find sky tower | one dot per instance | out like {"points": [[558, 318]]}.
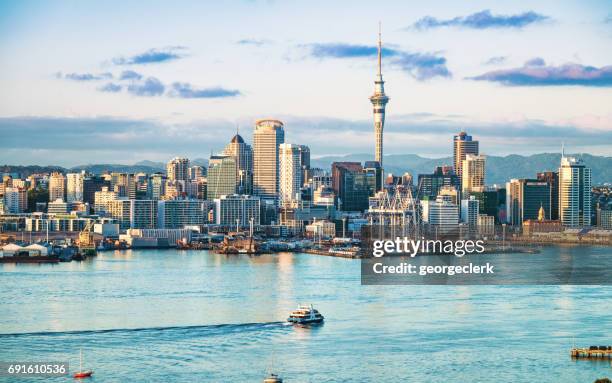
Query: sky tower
{"points": [[379, 100]]}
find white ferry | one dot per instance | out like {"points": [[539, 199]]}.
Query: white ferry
{"points": [[305, 315]]}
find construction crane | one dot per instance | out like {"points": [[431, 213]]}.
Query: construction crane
{"points": [[87, 244]]}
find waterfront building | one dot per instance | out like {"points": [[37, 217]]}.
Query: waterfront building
{"points": [[379, 101], [470, 211], [177, 169], [290, 164], [102, 198], [604, 218], [155, 238], [430, 184], [57, 186], [295, 215], [92, 184], [243, 155], [473, 173], [74, 186], [156, 186], [541, 225], [553, 180], [524, 198], [176, 214], [350, 185], [221, 179], [60, 223], [124, 184], [321, 230], [133, 213], [241, 209], [574, 193], [490, 199], [441, 216], [267, 137], [486, 224], [463, 144], [15, 200]]}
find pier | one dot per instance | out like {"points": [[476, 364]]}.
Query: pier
{"points": [[593, 352]]}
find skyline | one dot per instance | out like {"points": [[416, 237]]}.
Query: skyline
{"points": [[122, 94]]}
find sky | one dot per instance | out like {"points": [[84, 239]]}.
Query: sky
{"points": [[121, 82]]}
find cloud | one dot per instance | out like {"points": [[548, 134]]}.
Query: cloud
{"points": [[130, 75], [421, 66], [110, 87], [482, 20], [254, 42], [152, 56], [496, 60], [84, 76], [185, 90], [535, 72], [150, 87]]}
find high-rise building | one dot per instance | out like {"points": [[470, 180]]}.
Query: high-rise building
{"points": [[574, 193], [196, 171], [350, 184], [473, 173], [268, 136], [463, 145], [156, 186], [102, 198], [177, 169], [374, 172], [74, 186], [524, 198], [430, 184], [305, 161], [134, 213], [553, 180], [221, 176], [379, 101], [15, 200], [92, 184], [243, 155], [57, 186], [469, 212], [441, 216], [290, 164], [124, 184], [176, 214], [241, 209]]}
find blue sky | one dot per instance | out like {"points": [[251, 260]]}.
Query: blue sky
{"points": [[94, 82]]}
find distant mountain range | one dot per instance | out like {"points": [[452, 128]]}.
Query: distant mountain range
{"points": [[498, 169]]}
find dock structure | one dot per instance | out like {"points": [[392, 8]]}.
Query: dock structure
{"points": [[593, 352]]}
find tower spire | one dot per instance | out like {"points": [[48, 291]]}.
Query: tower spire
{"points": [[379, 100], [379, 48]]}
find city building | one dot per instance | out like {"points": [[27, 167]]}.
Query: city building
{"points": [[177, 169], [176, 214], [290, 164], [243, 155], [74, 186], [441, 216], [470, 211], [194, 172], [92, 184], [102, 198], [321, 230], [450, 194], [324, 196], [463, 144], [15, 200], [156, 186], [553, 180], [473, 173], [604, 218], [374, 174], [237, 209], [574, 193], [379, 101], [541, 225], [524, 198], [267, 137], [58, 207], [133, 213], [430, 184], [486, 224], [221, 179], [124, 184], [350, 184], [305, 161], [57, 186]]}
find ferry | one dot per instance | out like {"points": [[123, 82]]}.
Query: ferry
{"points": [[305, 315]]}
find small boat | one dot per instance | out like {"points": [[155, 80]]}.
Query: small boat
{"points": [[273, 378], [305, 315], [82, 374]]}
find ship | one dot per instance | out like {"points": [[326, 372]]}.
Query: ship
{"points": [[305, 314]]}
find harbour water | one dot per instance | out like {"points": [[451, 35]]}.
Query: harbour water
{"points": [[175, 316]]}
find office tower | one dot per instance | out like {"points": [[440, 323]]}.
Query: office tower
{"points": [[268, 136], [379, 101], [177, 169], [462, 146], [175, 214], [221, 176], [101, 199], [156, 186], [430, 184], [57, 186], [553, 180], [243, 155], [469, 212], [194, 172], [441, 216], [58, 207], [290, 172], [604, 218], [374, 172], [305, 161], [473, 173], [241, 209], [524, 198], [574, 193], [133, 213], [350, 185], [124, 184], [92, 184], [449, 193], [15, 200], [74, 187], [489, 200]]}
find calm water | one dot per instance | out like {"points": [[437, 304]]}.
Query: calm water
{"points": [[175, 316]]}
